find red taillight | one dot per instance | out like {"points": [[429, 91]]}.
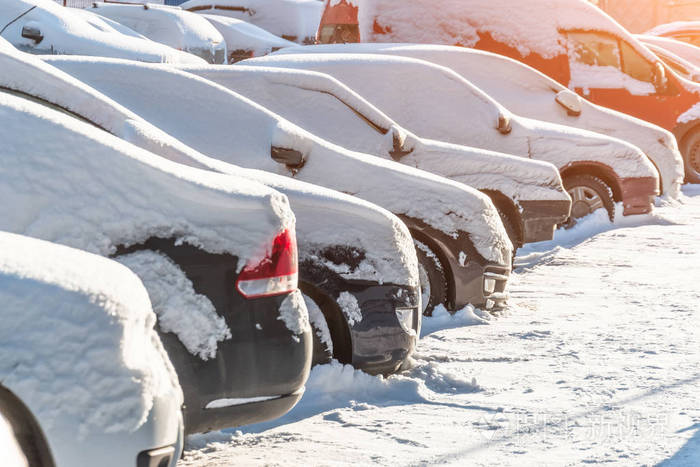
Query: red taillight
{"points": [[276, 273]]}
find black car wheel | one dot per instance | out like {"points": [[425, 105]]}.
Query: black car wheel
{"points": [[588, 194], [432, 279]]}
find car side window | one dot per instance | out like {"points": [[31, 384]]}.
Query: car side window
{"points": [[594, 49], [635, 65]]}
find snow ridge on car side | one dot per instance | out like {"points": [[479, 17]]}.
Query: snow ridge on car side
{"points": [[97, 311]]}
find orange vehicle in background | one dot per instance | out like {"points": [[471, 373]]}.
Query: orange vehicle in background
{"points": [[339, 23], [572, 41]]}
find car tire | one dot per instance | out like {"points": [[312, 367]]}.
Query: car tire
{"points": [[588, 194], [691, 157], [432, 279]]}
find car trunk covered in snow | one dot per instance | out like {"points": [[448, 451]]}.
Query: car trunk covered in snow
{"points": [[451, 109], [98, 311], [45, 27], [527, 92], [329, 109]]}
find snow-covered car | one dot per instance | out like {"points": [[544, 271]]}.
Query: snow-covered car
{"points": [[294, 20], [91, 384], [597, 170], [45, 27], [169, 25], [350, 250], [685, 31], [527, 92], [681, 66], [464, 246], [528, 194], [245, 40], [688, 52], [204, 244]]}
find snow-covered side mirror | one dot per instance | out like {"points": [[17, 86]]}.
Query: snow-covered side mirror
{"points": [[32, 31], [399, 145], [290, 145], [570, 101]]}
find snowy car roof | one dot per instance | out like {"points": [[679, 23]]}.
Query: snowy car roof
{"points": [[292, 18], [241, 35], [98, 311], [529, 26], [234, 129], [165, 24], [68, 31], [113, 193]]}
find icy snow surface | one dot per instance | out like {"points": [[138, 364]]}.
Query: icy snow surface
{"points": [[182, 311], [596, 360], [293, 313], [65, 313], [350, 308]]}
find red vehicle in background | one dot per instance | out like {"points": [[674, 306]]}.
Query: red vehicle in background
{"points": [[572, 41]]}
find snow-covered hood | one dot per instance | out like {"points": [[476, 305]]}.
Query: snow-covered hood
{"points": [[97, 311], [66, 31], [233, 129], [517, 178], [452, 109], [240, 35], [112, 193], [168, 25], [684, 50], [674, 27], [292, 18]]}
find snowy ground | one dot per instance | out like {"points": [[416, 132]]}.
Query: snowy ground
{"points": [[597, 360]]}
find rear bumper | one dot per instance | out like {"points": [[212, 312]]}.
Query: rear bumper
{"points": [[541, 217], [638, 194], [380, 344]]}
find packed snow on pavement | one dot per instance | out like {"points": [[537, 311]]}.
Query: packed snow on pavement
{"points": [[596, 359]]}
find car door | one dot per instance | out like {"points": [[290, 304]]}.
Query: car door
{"points": [[609, 71]]}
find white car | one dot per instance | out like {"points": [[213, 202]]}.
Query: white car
{"points": [[347, 247], [169, 25], [45, 27], [435, 102], [527, 92], [201, 242], [84, 378], [458, 222], [688, 52], [245, 40], [528, 194], [294, 20]]}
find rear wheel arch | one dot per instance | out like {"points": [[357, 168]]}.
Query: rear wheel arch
{"points": [[506, 206], [26, 428], [335, 319], [598, 170], [442, 257]]}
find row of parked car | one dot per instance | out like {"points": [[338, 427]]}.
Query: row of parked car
{"points": [[309, 205]]}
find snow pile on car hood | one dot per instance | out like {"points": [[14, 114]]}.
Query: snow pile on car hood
{"points": [[460, 113], [279, 89], [292, 18], [111, 193], [531, 26], [168, 25], [240, 35], [68, 32], [684, 50], [674, 26], [78, 342], [234, 129]]}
